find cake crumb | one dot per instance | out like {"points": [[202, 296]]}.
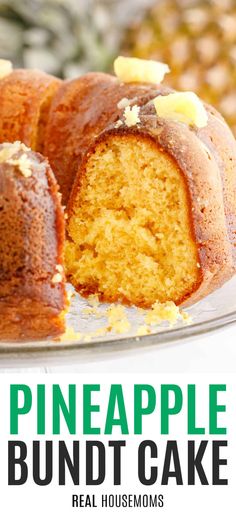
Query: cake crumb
{"points": [[101, 332], [143, 330], [115, 313], [162, 312], [118, 322], [122, 326], [131, 115], [57, 278], [167, 312], [70, 334], [186, 318], [23, 163], [117, 319]]}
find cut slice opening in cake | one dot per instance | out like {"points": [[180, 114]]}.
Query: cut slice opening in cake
{"points": [[130, 233]]}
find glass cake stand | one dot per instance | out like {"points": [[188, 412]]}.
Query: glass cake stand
{"points": [[213, 312]]}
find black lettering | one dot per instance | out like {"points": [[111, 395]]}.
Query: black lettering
{"points": [[195, 463], [217, 462], [117, 460], [72, 465], [75, 500], [20, 461], [48, 463], [147, 481], [90, 446], [172, 453]]}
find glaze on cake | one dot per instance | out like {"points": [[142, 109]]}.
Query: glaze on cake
{"points": [[32, 280], [25, 98], [152, 213]]}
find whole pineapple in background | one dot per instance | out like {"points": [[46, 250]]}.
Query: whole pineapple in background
{"points": [[197, 38], [62, 37], [65, 37]]}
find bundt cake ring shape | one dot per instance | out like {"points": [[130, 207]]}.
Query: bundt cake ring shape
{"points": [[148, 176]]}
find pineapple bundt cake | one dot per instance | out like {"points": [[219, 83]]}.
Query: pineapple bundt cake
{"points": [[148, 176], [152, 212], [25, 98], [32, 283]]}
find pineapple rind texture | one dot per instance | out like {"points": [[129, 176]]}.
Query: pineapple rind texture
{"points": [[197, 38]]}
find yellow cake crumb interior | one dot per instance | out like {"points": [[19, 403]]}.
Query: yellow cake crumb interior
{"points": [[129, 234]]}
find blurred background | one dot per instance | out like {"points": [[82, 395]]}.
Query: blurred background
{"points": [[197, 38]]}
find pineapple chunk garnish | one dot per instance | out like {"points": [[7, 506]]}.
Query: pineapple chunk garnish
{"points": [[132, 69], [131, 115], [183, 107], [5, 68]]}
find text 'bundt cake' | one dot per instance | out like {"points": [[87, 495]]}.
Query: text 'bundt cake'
{"points": [[32, 282]]}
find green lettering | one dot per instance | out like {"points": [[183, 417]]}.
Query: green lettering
{"points": [[89, 408], [192, 428], [139, 410], [59, 406], [166, 410], [41, 409], [116, 399], [214, 409], [15, 410]]}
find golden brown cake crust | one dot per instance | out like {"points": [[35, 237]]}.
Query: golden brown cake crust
{"points": [[207, 159], [31, 248], [81, 109], [24, 96]]}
